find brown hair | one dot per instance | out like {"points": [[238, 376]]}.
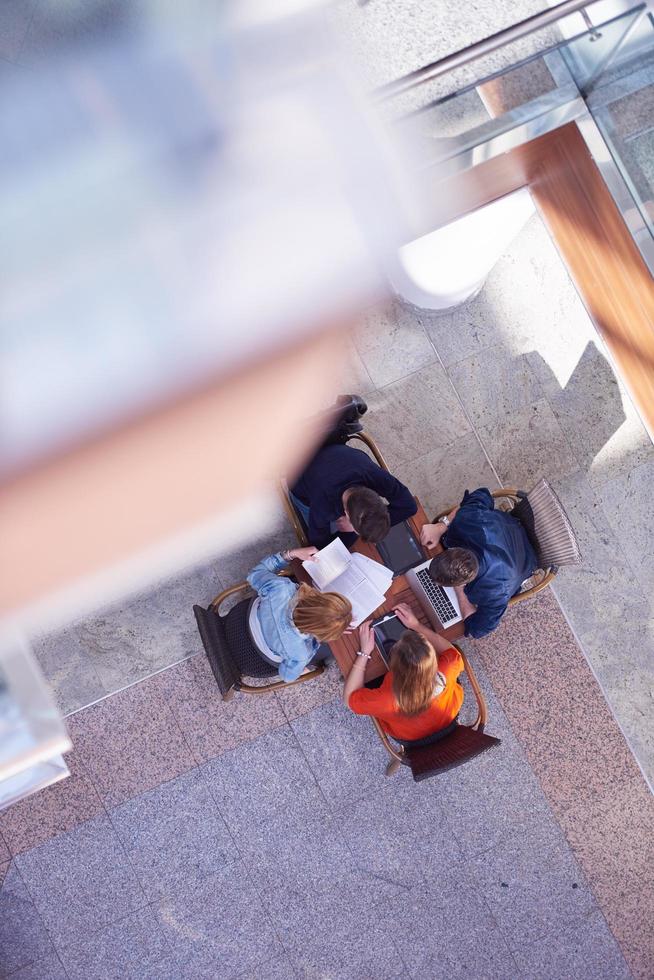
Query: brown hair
{"points": [[455, 566], [414, 667], [325, 615], [368, 514]]}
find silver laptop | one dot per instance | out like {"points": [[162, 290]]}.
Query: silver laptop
{"points": [[439, 602]]}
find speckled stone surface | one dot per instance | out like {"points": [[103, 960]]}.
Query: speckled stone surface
{"points": [[402, 416], [52, 811], [131, 742], [132, 948], [392, 343], [81, 881], [302, 698], [612, 836], [210, 725], [23, 935]]}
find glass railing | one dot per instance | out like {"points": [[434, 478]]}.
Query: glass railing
{"points": [[579, 68]]}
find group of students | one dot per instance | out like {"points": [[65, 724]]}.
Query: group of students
{"points": [[486, 557]]}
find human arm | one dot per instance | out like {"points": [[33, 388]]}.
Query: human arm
{"points": [[484, 620], [408, 618], [467, 608], [356, 678], [264, 577], [431, 534], [401, 504]]}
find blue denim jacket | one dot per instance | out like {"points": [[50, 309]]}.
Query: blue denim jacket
{"points": [[275, 616]]}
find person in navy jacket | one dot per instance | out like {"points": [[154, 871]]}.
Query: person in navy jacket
{"points": [[487, 557], [340, 493]]}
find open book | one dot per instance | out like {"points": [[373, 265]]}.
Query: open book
{"points": [[361, 580]]}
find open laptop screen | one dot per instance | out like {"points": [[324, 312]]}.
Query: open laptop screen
{"points": [[400, 549]]}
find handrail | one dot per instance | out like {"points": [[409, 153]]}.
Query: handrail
{"points": [[480, 48]]}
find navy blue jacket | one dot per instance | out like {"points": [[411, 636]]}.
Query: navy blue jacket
{"points": [[332, 471], [502, 548]]}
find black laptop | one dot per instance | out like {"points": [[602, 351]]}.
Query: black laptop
{"points": [[400, 549]]}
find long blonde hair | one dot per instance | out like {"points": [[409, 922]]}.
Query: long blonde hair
{"points": [[325, 615], [416, 678]]}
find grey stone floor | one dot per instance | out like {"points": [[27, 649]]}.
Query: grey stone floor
{"points": [[293, 856], [509, 388]]}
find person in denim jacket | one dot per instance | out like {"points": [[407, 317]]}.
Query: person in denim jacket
{"points": [[295, 619]]}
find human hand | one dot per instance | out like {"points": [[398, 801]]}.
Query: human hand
{"points": [[343, 524], [430, 534], [305, 554], [366, 637], [406, 616]]}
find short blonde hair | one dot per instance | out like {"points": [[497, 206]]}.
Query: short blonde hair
{"points": [[325, 615]]}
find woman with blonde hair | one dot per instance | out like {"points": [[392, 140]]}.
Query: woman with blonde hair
{"points": [[291, 621], [419, 695]]}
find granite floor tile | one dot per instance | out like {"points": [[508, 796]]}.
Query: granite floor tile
{"points": [[528, 444], [444, 929], [68, 669], [368, 955], [585, 948], [303, 698], [81, 881], [49, 968], [609, 837], [279, 968], [260, 779], [597, 418], [627, 504], [532, 885], [130, 742], [415, 415], [353, 377], [136, 638], [210, 725], [392, 343], [23, 936], [5, 853], [340, 937], [221, 930], [344, 752], [401, 833], [554, 682], [53, 810], [494, 385], [439, 478], [133, 948], [174, 836]]}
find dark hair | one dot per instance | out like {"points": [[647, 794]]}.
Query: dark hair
{"points": [[413, 668], [368, 514], [455, 566]]}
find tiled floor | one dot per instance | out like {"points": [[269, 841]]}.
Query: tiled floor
{"points": [[282, 851]]}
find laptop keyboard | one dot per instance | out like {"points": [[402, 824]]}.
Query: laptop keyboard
{"points": [[437, 596]]}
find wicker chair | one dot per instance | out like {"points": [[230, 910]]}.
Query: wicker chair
{"points": [[448, 748], [548, 528], [296, 519], [231, 651]]}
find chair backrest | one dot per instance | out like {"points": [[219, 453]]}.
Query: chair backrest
{"points": [[543, 517], [214, 640], [462, 744]]}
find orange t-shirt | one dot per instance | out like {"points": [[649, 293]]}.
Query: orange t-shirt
{"points": [[381, 704]]}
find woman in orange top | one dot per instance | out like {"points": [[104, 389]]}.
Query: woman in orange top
{"points": [[419, 695]]}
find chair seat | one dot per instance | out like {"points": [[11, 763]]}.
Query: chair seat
{"points": [[242, 647], [464, 743]]}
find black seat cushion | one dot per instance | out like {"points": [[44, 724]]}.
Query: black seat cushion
{"points": [[242, 646], [462, 744]]}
